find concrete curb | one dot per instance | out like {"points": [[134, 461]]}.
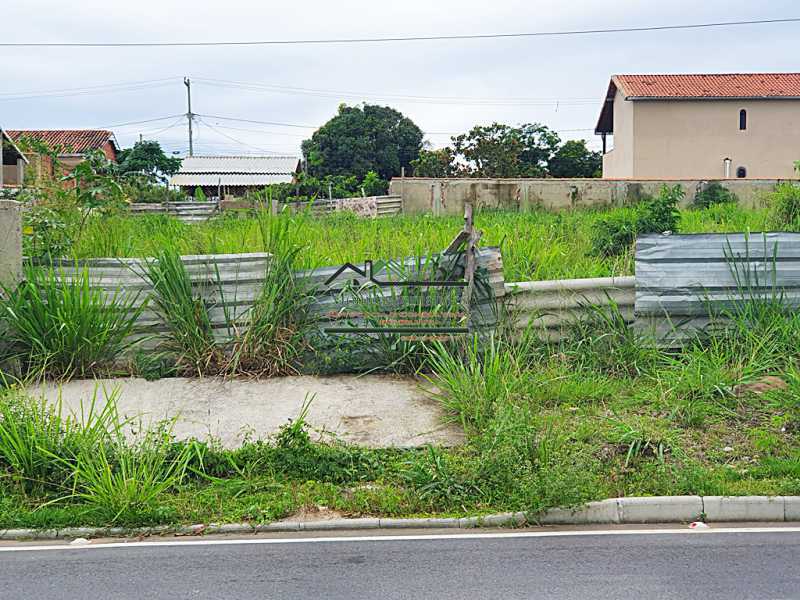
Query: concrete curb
{"points": [[635, 510]]}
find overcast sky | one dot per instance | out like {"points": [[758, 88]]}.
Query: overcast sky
{"points": [[446, 87]]}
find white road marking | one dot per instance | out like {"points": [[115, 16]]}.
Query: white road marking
{"points": [[399, 538]]}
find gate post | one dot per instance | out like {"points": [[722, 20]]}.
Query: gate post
{"points": [[10, 242]]}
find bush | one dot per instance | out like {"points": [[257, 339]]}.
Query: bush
{"points": [[615, 234], [784, 206], [62, 326], [142, 189], [50, 232], [373, 185], [713, 194]]}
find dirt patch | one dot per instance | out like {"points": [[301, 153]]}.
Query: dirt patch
{"points": [[313, 513]]}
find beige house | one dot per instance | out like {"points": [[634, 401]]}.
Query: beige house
{"points": [[744, 125]]}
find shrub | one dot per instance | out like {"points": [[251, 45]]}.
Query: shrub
{"points": [[50, 231], [373, 185], [62, 325], [784, 206], [713, 194], [614, 234], [199, 194]]}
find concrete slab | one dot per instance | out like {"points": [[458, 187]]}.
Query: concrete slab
{"points": [[372, 410]]}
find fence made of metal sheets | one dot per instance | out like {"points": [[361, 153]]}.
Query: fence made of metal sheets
{"points": [[188, 212], [683, 282], [552, 307], [229, 284]]}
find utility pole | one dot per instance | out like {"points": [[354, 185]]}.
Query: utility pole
{"points": [[140, 138], [189, 114]]}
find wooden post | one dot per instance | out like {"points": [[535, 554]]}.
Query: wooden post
{"points": [[469, 256], [10, 242]]}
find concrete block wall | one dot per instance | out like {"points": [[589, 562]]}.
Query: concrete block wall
{"points": [[10, 241], [447, 196]]}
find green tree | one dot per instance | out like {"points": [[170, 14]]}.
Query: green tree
{"points": [[499, 150], [434, 163], [574, 159], [362, 139], [147, 158]]}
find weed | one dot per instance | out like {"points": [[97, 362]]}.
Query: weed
{"points": [[712, 194], [63, 325]]}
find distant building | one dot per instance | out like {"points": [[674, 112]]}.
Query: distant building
{"points": [[72, 145], [744, 125], [12, 162], [234, 175]]}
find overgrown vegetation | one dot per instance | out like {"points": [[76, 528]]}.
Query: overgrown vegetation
{"points": [[536, 245], [615, 234], [61, 324], [713, 193]]}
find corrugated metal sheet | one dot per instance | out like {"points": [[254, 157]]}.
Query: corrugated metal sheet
{"points": [[384, 206], [236, 170], [228, 179], [682, 279], [188, 212], [229, 284], [552, 306]]}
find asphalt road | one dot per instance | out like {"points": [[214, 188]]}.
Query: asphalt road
{"points": [[696, 565]]}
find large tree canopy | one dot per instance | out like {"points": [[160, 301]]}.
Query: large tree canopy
{"points": [[574, 159], [499, 150], [147, 158], [362, 139]]}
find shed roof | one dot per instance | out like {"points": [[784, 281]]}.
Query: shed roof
{"points": [[74, 140], [236, 170], [9, 145], [697, 86]]}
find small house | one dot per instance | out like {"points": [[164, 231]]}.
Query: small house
{"points": [[13, 161], [222, 176], [701, 126]]}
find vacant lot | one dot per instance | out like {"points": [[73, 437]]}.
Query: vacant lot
{"points": [[536, 245]]}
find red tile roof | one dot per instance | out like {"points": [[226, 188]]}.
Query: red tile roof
{"points": [[73, 140], [725, 85]]}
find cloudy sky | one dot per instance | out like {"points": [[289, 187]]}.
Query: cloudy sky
{"points": [[272, 97]]}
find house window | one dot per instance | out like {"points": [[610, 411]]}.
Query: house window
{"points": [[741, 172], [742, 120]]}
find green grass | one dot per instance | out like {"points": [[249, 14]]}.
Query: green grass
{"points": [[536, 245]]}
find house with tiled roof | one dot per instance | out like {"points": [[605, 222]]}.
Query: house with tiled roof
{"points": [[701, 126], [70, 146]]}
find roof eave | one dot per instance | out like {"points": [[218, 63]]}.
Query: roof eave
{"points": [[712, 98]]}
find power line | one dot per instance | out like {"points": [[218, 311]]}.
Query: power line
{"points": [[89, 91], [463, 100], [275, 123], [416, 38], [240, 142], [139, 122]]}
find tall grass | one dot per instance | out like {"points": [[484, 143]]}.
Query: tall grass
{"points": [[273, 334], [62, 325], [190, 332], [33, 432], [266, 340], [536, 245]]}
